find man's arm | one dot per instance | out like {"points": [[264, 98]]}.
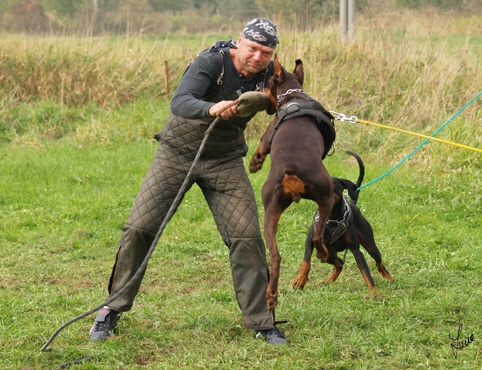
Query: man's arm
{"points": [[197, 80]]}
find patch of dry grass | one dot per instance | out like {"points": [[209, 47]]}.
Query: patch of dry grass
{"points": [[407, 69]]}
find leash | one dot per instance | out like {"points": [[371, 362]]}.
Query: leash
{"points": [[353, 119], [142, 267]]}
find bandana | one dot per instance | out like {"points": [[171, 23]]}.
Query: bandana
{"points": [[261, 31]]}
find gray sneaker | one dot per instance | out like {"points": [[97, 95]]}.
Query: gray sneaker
{"points": [[272, 336], [104, 324]]}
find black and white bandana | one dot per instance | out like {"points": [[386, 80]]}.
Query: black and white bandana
{"points": [[261, 31]]}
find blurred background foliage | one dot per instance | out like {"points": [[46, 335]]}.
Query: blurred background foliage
{"points": [[91, 17]]}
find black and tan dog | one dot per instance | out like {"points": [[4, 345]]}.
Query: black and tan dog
{"points": [[346, 228], [297, 139]]}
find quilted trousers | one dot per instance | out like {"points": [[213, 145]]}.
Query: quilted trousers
{"points": [[230, 197]]}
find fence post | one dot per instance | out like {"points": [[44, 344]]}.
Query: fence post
{"points": [[351, 21], [343, 20]]}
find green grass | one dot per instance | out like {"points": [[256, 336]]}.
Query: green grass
{"points": [[63, 206], [73, 155]]}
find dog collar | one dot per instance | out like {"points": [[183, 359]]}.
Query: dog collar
{"points": [[291, 91]]}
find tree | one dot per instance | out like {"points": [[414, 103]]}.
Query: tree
{"points": [[64, 8], [170, 5], [303, 15]]}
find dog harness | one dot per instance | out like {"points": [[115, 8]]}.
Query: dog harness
{"points": [[336, 228], [300, 107]]}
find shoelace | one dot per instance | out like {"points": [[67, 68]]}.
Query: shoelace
{"points": [[277, 332], [99, 325]]}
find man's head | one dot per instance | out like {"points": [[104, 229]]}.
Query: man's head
{"points": [[261, 31], [255, 46]]}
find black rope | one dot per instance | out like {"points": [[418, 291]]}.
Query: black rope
{"points": [[143, 266]]}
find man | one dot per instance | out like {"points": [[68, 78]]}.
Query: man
{"points": [[210, 85]]}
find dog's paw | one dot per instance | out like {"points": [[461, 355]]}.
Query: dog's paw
{"points": [[272, 302], [384, 271], [256, 163], [322, 255], [299, 282], [374, 295], [254, 167]]}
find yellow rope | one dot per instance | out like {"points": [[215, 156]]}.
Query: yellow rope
{"points": [[419, 135]]}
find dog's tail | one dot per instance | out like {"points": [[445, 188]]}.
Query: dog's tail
{"points": [[361, 174]]}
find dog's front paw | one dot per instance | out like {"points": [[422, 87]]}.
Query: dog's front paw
{"points": [[322, 253], [256, 164], [253, 167], [302, 277], [257, 160], [272, 301], [298, 284], [300, 281]]}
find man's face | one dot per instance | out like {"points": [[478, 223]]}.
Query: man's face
{"points": [[251, 56]]}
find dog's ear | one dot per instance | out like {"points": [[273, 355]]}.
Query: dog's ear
{"points": [[273, 106], [273, 83], [271, 88], [299, 71], [279, 72], [352, 189]]}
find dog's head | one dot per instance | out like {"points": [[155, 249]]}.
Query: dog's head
{"points": [[339, 185], [282, 81]]}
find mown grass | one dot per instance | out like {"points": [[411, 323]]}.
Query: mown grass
{"points": [[70, 170]]}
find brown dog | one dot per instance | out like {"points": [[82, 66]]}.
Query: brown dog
{"points": [[346, 228], [294, 139]]}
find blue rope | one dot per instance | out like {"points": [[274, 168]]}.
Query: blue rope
{"points": [[421, 144]]}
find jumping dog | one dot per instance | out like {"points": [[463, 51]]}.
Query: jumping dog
{"points": [[297, 140]]}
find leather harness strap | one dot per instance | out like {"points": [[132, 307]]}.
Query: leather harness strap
{"points": [[336, 228], [299, 107]]}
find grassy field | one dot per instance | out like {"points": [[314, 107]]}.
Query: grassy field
{"points": [[73, 155]]}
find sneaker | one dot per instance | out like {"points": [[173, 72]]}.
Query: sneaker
{"points": [[272, 336], [104, 324]]}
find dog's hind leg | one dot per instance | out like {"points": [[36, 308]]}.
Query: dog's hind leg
{"points": [[367, 240], [321, 250], [271, 220], [376, 255], [363, 267], [325, 200], [302, 277]]}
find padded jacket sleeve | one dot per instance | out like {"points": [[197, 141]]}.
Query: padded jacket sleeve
{"points": [[199, 77]]}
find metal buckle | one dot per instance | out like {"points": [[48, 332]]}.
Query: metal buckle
{"points": [[342, 117]]}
